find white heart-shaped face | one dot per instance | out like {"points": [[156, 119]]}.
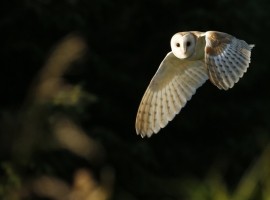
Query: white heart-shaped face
{"points": [[183, 45]]}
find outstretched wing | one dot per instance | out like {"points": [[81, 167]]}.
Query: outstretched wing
{"points": [[227, 58], [171, 87]]}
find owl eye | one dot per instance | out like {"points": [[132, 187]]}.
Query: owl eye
{"points": [[188, 43], [178, 44]]}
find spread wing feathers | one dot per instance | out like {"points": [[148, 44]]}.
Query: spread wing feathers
{"points": [[171, 87], [227, 58]]}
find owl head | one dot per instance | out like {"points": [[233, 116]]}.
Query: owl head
{"points": [[183, 44]]}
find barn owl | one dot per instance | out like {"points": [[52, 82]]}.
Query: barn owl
{"points": [[194, 58]]}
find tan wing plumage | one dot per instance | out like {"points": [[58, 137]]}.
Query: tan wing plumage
{"points": [[171, 87], [227, 58]]}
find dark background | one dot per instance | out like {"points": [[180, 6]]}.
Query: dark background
{"points": [[224, 131]]}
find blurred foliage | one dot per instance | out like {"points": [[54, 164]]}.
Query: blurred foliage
{"points": [[253, 185], [72, 76]]}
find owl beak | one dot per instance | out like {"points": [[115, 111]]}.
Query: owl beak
{"points": [[184, 48]]}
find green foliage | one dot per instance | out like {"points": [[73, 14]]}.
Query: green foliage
{"points": [[10, 181], [253, 185]]}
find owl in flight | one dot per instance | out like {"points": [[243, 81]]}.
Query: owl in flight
{"points": [[195, 57]]}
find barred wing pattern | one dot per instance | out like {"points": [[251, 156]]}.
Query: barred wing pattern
{"points": [[171, 87], [227, 58]]}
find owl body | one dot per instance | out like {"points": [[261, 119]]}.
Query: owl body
{"points": [[200, 44], [195, 58]]}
